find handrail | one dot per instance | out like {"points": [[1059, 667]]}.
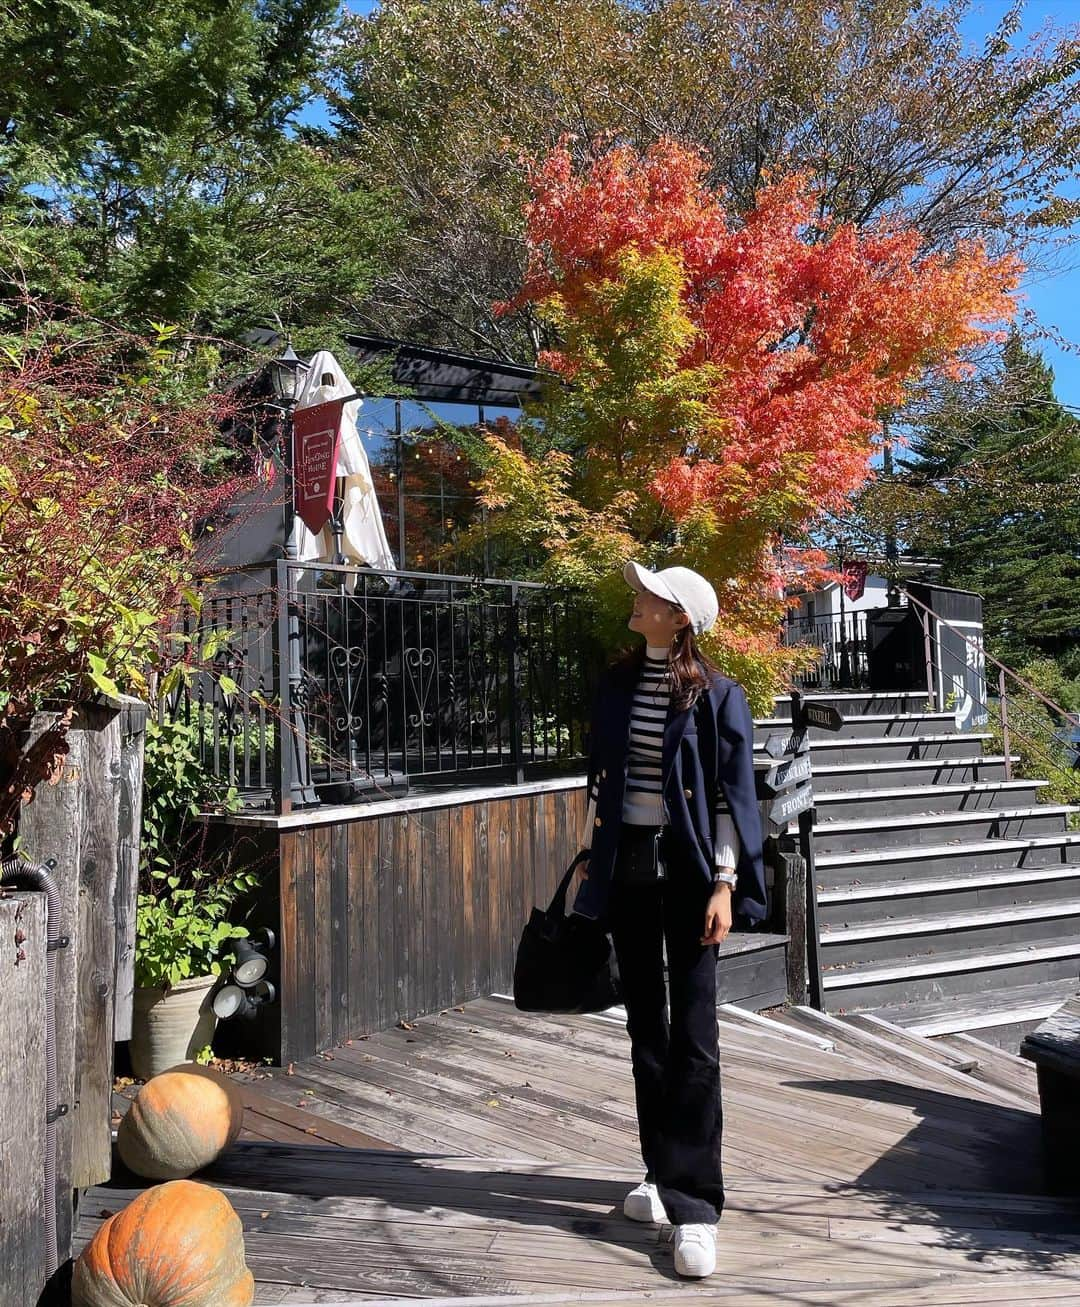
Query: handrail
{"points": [[1056, 707], [352, 569], [1007, 716]]}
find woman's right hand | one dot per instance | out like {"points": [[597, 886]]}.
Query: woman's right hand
{"points": [[581, 874]]}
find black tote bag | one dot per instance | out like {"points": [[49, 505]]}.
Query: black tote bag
{"points": [[565, 964]]}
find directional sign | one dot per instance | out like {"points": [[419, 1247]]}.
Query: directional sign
{"points": [[823, 715], [776, 745], [791, 803], [786, 774]]}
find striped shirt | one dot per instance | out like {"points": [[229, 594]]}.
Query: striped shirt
{"points": [[643, 803]]}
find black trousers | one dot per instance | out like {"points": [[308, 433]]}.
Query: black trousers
{"points": [[675, 1059]]}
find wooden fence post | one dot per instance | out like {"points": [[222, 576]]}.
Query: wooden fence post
{"points": [[22, 1098], [77, 822], [789, 896], [51, 827], [132, 741]]}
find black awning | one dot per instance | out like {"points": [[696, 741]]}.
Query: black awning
{"points": [[439, 375]]}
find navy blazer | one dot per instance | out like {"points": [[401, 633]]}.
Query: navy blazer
{"points": [[706, 746]]}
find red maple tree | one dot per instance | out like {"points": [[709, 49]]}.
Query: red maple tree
{"points": [[782, 338]]}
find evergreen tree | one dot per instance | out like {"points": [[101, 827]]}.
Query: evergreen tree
{"points": [[150, 171], [990, 486]]}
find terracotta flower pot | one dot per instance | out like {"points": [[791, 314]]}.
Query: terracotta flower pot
{"points": [[171, 1026]]}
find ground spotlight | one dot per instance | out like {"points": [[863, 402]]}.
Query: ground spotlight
{"points": [[252, 957], [235, 1001]]}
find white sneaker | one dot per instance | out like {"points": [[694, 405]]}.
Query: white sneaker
{"points": [[643, 1204], [695, 1250]]}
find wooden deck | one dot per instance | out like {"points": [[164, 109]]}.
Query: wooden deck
{"points": [[858, 1171]]}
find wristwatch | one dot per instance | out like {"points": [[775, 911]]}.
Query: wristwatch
{"points": [[725, 878]]}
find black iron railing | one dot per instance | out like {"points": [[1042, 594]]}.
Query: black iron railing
{"points": [[842, 662], [313, 683]]}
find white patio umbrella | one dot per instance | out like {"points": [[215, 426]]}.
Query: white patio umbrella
{"points": [[363, 538]]}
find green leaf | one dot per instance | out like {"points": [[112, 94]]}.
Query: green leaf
{"points": [[99, 676]]}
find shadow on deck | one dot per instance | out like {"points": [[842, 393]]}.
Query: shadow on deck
{"points": [[508, 1142]]}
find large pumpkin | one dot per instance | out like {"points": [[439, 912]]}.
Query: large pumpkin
{"points": [[177, 1245], [180, 1121]]}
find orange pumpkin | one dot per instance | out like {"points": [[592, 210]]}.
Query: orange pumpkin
{"points": [[180, 1121], [178, 1243]]}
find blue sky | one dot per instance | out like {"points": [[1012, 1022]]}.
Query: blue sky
{"points": [[1054, 294]]}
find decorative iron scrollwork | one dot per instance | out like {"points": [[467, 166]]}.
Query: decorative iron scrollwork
{"points": [[420, 666]]}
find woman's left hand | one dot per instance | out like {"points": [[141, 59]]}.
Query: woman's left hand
{"points": [[717, 916]]}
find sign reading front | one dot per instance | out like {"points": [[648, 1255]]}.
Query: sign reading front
{"points": [[790, 803], [316, 437]]}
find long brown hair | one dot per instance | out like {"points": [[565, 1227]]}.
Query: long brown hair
{"points": [[689, 667]]}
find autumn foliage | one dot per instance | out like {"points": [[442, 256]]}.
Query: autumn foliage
{"points": [[726, 376], [105, 473]]}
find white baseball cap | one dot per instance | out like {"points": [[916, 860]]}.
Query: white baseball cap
{"points": [[679, 585]]}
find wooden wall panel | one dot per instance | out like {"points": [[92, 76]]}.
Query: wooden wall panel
{"points": [[388, 966], [445, 929], [386, 918], [340, 948], [322, 876]]}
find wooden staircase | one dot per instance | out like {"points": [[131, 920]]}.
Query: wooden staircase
{"points": [[948, 896]]}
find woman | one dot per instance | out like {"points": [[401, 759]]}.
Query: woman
{"points": [[674, 836]]}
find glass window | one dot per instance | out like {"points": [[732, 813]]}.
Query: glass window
{"points": [[422, 478]]}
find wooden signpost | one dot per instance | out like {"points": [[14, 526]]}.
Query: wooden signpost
{"points": [[790, 786]]}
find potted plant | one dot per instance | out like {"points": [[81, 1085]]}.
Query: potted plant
{"points": [[190, 895], [180, 951]]}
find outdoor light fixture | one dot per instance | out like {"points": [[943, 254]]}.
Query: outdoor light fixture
{"points": [[252, 954], [286, 372], [251, 963], [235, 1001]]}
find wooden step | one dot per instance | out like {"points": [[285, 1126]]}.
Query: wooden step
{"points": [[881, 1050], [878, 985], [767, 1028], [859, 904], [909, 830], [897, 864], [893, 801], [872, 724], [968, 769], [994, 1065], [859, 703], [904, 1038], [986, 1009], [883, 748], [1010, 925]]}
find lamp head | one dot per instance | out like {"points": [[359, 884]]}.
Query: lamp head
{"points": [[233, 1001], [286, 372], [251, 963]]}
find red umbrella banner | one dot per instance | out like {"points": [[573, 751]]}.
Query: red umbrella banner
{"points": [[316, 438]]}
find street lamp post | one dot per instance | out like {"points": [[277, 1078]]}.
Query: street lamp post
{"points": [[892, 593], [286, 375]]}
